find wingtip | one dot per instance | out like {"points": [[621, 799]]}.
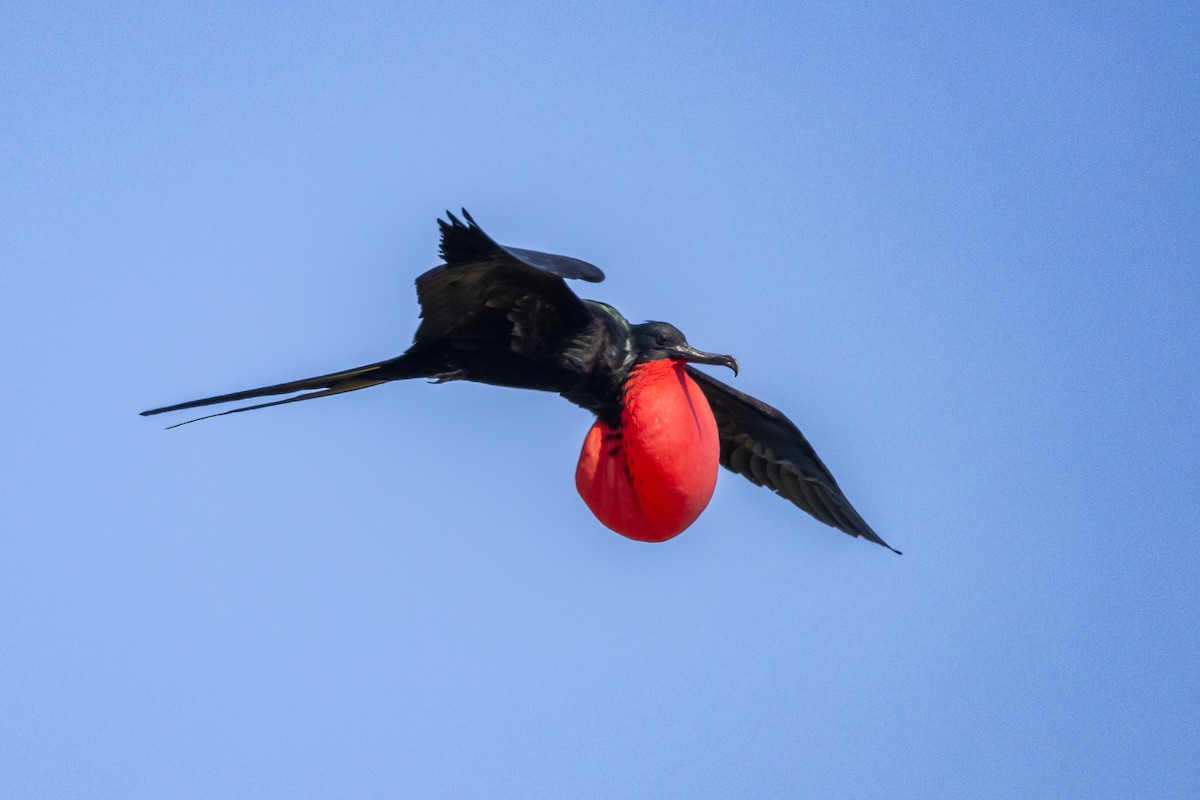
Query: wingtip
{"points": [[455, 222], [873, 537]]}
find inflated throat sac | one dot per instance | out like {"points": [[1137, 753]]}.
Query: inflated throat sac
{"points": [[652, 475]]}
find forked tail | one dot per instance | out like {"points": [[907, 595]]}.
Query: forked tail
{"points": [[349, 380]]}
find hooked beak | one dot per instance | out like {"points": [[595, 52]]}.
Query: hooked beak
{"points": [[689, 353]]}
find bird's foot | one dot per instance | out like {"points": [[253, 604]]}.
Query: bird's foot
{"points": [[446, 377]]}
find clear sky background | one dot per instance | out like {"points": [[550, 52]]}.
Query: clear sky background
{"points": [[959, 246]]}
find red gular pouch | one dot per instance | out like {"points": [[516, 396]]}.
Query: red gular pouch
{"points": [[651, 476]]}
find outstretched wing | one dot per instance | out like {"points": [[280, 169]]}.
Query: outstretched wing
{"points": [[506, 303], [761, 444]]}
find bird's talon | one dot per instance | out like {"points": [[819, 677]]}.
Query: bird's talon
{"points": [[446, 377]]}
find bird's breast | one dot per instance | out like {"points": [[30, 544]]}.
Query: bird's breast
{"points": [[652, 475]]}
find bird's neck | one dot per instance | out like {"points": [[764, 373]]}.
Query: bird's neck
{"points": [[604, 355], [617, 337]]}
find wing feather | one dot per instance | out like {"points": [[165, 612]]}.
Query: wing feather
{"points": [[466, 243], [761, 444], [488, 298]]}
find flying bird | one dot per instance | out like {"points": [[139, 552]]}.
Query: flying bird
{"points": [[505, 316]]}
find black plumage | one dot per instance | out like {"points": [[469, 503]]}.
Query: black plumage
{"points": [[505, 316]]}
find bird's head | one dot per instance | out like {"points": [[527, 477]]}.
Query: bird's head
{"points": [[653, 341]]}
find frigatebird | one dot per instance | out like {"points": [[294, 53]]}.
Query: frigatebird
{"points": [[505, 316]]}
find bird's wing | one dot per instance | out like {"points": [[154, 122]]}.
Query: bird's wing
{"points": [[501, 304], [466, 243], [761, 444], [488, 296]]}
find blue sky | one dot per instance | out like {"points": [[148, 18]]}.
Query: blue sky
{"points": [[958, 246]]}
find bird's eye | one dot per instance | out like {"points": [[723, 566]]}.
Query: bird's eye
{"points": [[662, 340]]}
